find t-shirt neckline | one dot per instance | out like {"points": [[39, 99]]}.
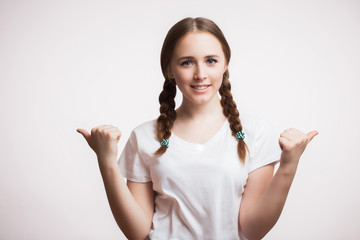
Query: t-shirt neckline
{"points": [[198, 146]]}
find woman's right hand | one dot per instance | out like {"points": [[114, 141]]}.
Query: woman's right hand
{"points": [[103, 140]]}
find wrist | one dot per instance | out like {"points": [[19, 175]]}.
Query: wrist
{"points": [[288, 168], [107, 161]]}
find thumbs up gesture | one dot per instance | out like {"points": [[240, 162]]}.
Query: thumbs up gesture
{"points": [[293, 143], [103, 140]]}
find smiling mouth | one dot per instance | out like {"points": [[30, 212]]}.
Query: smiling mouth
{"points": [[200, 87]]}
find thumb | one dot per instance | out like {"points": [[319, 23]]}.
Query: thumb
{"points": [[311, 135], [85, 134]]}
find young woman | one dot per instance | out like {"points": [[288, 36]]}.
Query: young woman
{"points": [[204, 170]]}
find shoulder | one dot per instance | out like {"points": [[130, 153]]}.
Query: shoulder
{"points": [[144, 135], [257, 128], [147, 128], [261, 138], [253, 121]]}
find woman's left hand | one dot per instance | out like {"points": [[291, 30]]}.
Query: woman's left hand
{"points": [[293, 143]]}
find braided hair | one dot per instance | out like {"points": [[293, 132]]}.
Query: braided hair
{"points": [[232, 114], [167, 116], [167, 113]]}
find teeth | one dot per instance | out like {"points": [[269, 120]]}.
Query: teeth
{"points": [[199, 87]]}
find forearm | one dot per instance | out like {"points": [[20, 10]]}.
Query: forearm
{"points": [[262, 216], [127, 212]]}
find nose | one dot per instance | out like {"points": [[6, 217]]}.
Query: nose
{"points": [[200, 73]]}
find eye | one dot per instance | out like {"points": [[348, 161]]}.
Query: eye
{"points": [[186, 63], [212, 61]]}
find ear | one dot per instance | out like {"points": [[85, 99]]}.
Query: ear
{"points": [[169, 73], [225, 67]]}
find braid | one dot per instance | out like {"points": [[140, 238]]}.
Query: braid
{"points": [[231, 112], [167, 116]]}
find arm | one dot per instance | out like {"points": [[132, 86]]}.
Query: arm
{"points": [[263, 200], [133, 205], [264, 196]]}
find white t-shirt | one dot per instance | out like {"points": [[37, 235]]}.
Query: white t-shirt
{"points": [[198, 187]]}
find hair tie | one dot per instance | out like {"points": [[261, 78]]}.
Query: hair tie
{"points": [[165, 142], [240, 134]]}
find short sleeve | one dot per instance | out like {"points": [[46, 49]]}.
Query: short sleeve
{"points": [[266, 148], [131, 164]]}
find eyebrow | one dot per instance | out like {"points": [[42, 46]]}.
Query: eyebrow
{"points": [[190, 57]]}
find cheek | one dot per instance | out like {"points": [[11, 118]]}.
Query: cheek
{"points": [[184, 75], [217, 75]]}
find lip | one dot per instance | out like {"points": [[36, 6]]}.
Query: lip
{"points": [[200, 85], [200, 90]]}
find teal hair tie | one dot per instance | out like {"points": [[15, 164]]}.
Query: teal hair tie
{"points": [[240, 134], [165, 142]]}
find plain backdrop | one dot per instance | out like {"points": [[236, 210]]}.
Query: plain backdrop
{"points": [[70, 64]]}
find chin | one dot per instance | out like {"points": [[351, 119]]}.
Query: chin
{"points": [[200, 101]]}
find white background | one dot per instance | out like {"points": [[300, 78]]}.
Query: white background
{"points": [[71, 64]]}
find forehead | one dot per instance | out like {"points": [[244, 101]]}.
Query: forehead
{"points": [[198, 44]]}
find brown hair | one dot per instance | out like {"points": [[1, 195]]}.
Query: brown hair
{"points": [[167, 103]]}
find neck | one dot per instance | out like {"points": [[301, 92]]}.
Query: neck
{"points": [[207, 111]]}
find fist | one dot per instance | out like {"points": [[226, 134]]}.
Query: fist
{"points": [[293, 143], [103, 140]]}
